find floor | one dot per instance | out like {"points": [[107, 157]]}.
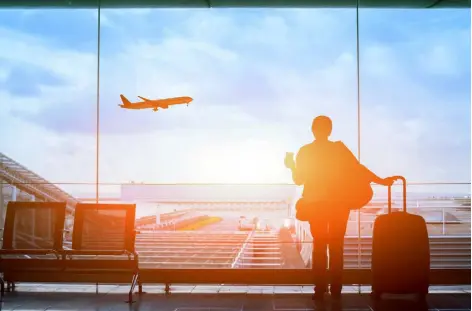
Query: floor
{"points": [[66, 297]]}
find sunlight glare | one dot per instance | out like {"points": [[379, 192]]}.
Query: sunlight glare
{"points": [[241, 162]]}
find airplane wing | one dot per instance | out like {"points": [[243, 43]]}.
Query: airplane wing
{"points": [[145, 99]]}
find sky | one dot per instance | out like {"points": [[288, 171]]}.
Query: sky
{"points": [[258, 77]]}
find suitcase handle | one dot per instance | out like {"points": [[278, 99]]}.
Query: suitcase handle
{"points": [[390, 194]]}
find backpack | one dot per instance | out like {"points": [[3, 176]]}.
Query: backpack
{"points": [[344, 178]]}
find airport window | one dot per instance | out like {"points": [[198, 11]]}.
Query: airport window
{"points": [[188, 113]]}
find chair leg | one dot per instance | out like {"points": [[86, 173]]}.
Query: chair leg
{"points": [[133, 285], [140, 285]]}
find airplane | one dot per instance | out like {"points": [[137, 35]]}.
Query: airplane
{"points": [[155, 104]]}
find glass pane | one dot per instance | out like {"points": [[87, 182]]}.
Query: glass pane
{"points": [[48, 91], [415, 118], [416, 94], [257, 78]]}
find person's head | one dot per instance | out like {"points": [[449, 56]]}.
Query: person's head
{"points": [[322, 127]]}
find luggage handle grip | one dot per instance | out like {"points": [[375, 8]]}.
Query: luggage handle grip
{"points": [[403, 190]]}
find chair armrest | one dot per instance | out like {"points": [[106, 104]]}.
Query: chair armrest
{"points": [[95, 252]]}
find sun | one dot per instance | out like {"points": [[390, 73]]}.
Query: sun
{"points": [[241, 162]]}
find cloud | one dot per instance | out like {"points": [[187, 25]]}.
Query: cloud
{"points": [[58, 158], [255, 74], [205, 69], [32, 80]]}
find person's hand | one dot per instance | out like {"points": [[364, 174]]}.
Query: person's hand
{"points": [[388, 181], [289, 161]]}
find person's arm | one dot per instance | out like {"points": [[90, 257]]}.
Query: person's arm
{"points": [[349, 156], [299, 169], [372, 177]]}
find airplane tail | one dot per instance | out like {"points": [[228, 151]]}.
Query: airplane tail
{"points": [[125, 101]]}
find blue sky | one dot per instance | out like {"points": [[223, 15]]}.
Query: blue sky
{"points": [[258, 78]]}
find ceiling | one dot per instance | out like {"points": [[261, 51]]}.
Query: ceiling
{"points": [[235, 3]]}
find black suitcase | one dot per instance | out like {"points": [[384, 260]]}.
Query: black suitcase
{"points": [[400, 252]]}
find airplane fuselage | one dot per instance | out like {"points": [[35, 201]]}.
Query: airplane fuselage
{"points": [[158, 103]]}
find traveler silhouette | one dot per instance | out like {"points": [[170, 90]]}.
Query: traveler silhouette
{"points": [[327, 170]]}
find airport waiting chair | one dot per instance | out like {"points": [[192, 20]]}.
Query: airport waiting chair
{"points": [[32, 242], [103, 246]]}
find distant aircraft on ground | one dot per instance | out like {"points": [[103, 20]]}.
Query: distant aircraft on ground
{"points": [[155, 104]]}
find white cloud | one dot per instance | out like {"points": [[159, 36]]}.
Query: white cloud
{"points": [[54, 156], [441, 59]]}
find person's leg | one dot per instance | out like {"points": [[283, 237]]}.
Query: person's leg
{"points": [[319, 232], [337, 230]]}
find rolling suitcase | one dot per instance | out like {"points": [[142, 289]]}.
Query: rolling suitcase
{"points": [[400, 252]]}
